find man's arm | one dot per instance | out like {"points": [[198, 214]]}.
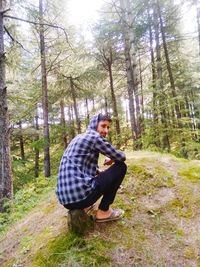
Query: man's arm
{"points": [[104, 147]]}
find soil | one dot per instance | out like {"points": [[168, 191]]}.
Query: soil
{"points": [[152, 233]]}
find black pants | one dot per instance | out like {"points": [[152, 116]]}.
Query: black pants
{"points": [[107, 184]]}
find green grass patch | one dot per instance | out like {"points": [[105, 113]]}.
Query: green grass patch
{"points": [[25, 200], [71, 250], [191, 174], [149, 176]]}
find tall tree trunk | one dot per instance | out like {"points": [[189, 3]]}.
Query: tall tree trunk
{"points": [[106, 104], [156, 133], [73, 93], [63, 123], [37, 151], [198, 23], [132, 73], [87, 109], [71, 122], [194, 111], [47, 169], [129, 72], [6, 184], [171, 78], [159, 85], [153, 71], [133, 58], [142, 97], [113, 97], [21, 141]]}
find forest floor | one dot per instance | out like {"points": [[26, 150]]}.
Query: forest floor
{"points": [[161, 226]]}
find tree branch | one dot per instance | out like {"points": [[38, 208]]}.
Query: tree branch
{"points": [[14, 40], [37, 23]]}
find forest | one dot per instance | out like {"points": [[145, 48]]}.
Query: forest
{"points": [[140, 63]]}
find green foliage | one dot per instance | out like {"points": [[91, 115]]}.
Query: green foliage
{"points": [[190, 150], [25, 199], [23, 172], [73, 250]]}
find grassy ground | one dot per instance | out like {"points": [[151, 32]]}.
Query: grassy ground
{"points": [[160, 196]]}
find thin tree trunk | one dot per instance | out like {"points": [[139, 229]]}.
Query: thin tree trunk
{"points": [[153, 71], [93, 104], [106, 104], [37, 151], [194, 111], [6, 184], [130, 80], [113, 97], [198, 24], [87, 109], [133, 58], [63, 123], [71, 122], [142, 126], [159, 84], [171, 78], [21, 141], [75, 106], [131, 68], [156, 133], [47, 170]]}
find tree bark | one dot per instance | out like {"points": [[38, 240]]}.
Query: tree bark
{"points": [[142, 126], [37, 151], [87, 109], [171, 78], [63, 123], [159, 84], [71, 122], [47, 169], [198, 24], [131, 69], [6, 184], [73, 93], [113, 97], [21, 141], [153, 71]]}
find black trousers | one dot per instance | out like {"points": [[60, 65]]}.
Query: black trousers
{"points": [[107, 184]]}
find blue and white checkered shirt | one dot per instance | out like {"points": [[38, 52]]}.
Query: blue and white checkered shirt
{"points": [[79, 164]]}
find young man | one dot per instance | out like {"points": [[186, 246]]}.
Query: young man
{"points": [[79, 184]]}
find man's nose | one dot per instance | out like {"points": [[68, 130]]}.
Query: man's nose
{"points": [[106, 131]]}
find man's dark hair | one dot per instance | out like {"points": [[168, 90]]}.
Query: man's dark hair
{"points": [[104, 117]]}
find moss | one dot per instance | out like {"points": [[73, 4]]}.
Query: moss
{"points": [[189, 253], [191, 174], [179, 232], [72, 250], [148, 179]]}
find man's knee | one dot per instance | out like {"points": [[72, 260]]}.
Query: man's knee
{"points": [[122, 166]]}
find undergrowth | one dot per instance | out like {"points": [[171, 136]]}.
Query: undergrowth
{"points": [[25, 199], [73, 250]]}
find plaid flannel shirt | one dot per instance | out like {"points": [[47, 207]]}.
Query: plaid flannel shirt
{"points": [[79, 164]]}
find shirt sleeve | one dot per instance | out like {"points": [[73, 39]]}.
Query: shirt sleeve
{"points": [[105, 148]]}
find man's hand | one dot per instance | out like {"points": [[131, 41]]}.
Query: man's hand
{"points": [[108, 161], [98, 171]]}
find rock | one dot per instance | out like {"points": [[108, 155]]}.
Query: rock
{"points": [[79, 222]]}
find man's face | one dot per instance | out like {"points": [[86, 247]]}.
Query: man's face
{"points": [[103, 127]]}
